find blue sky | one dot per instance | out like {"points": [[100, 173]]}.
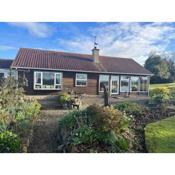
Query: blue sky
{"points": [[134, 40]]}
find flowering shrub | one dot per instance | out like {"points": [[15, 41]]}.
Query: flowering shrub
{"points": [[63, 97], [160, 95]]}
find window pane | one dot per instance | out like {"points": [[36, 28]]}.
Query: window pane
{"points": [[48, 78], [114, 84], [81, 76], [124, 84], [81, 83], [81, 79], [104, 79], [38, 78], [143, 84], [58, 78], [134, 83]]}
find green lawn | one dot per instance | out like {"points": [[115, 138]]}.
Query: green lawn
{"points": [[152, 86], [160, 136]]}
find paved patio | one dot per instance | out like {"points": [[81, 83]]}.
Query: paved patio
{"points": [[50, 101]]}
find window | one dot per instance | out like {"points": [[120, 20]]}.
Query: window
{"points": [[114, 84], [81, 80], [47, 80], [58, 81], [103, 79], [143, 83], [134, 84], [124, 83]]}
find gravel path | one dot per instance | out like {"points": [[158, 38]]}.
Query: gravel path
{"points": [[45, 131]]}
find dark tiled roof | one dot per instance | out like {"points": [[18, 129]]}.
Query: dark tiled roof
{"points": [[5, 64], [43, 59]]}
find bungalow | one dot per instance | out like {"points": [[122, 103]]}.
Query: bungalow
{"points": [[52, 71]]}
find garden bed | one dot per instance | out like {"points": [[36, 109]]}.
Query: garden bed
{"points": [[17, 116]]}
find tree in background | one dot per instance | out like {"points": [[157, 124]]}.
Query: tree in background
{"points": [[172, 70], [162, 67]]}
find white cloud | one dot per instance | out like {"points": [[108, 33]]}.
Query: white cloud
{"points": [[133, 40], [37, 29], [6, 48]]}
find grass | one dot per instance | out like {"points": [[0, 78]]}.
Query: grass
{"points": [[153, 86], [160, 136]]}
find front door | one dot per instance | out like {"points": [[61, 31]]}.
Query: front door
{"points": [[114, 88]]}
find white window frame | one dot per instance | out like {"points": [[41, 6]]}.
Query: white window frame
{"points": [[99, 82], [35, 83], [129, 81], [78, 79], [41, 84], [138, 84]]}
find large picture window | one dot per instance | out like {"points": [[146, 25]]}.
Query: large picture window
{"points": [[135, 84], [81, 79], [143, 83], [47, 80], [103, 79], [124, 83]]}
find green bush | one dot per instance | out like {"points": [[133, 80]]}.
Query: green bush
{"points": [[84, 135], [63, 97], [9, 142], [172, 92], [24, 117], [160, 95], [107, 119], [95, 129], [4, 120], [131, 108]]}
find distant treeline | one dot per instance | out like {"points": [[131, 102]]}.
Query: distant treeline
{"points": [[162, 66]]}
